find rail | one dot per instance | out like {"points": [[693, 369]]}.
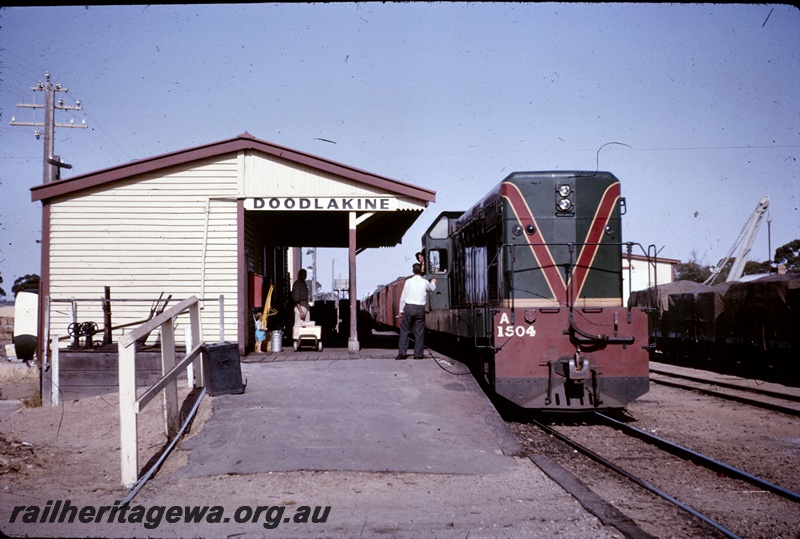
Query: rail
{"points": [[611, 466], [130, 405], [784, 403], [700, 459]]}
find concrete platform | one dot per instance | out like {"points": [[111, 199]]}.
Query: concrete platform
{"points": [[392, 448], [374, 415]]}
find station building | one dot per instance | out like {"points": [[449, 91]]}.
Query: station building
{"points": [[224, 222]]}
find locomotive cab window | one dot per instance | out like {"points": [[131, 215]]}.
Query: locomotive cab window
{"points": [[439, 230], [437, 261]]}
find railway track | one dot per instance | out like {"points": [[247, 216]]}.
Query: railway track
{"points": [[609, 464], [717, 481], [698, 458], [669, 489], [768, 396]]}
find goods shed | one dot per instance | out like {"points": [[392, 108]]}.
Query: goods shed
{"points": [[223, 221]]}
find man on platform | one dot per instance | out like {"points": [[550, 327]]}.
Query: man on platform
{"points": [[412, 311]]}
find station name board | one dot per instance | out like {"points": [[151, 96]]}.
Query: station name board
{"points": [[321, 204]]}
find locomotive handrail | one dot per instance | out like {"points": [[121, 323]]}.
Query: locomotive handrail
{"points": [[587, 336], [568, 269], [594, 338], [570, 304]]}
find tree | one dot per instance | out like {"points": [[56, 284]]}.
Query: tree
{"points": [[692, 270], [789, 255], [751, 267], [2, 292], [26, 282]]}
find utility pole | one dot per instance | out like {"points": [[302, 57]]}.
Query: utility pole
{"points": [[52, 162]]}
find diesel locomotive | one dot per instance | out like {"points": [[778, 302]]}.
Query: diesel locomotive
{"points": [[528, 292]]}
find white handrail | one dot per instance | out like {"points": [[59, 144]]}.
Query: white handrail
{"points": [[129, 405]]}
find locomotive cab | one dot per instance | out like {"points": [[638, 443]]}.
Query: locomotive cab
{"points": [[437, 246]]}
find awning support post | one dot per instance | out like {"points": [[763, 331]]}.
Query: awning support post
{"points": [[352, 344]]}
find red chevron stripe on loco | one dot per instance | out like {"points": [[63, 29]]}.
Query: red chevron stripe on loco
{"points": [[540, 252], [595, 235]]}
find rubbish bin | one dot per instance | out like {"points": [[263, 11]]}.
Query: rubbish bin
{"points": [[222, 369]]}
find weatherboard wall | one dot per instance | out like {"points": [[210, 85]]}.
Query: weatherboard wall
{"points": [[174, 231]]}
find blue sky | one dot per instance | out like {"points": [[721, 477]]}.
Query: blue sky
{"points": [[448, 96]]}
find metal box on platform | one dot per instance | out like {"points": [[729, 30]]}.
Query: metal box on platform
{"points": [[222, 369]]}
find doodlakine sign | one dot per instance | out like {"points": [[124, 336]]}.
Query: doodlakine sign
{"points": [[321, 204]]}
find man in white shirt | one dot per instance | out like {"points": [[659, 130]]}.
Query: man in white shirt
{"points": [[412, 311]]}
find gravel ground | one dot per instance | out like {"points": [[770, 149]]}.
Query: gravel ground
{"points": [[71, 452]]}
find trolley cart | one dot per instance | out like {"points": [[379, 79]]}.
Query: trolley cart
{"points": [[307, 334]]}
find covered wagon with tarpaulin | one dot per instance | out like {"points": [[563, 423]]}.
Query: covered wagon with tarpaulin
{"points": [[762, 323]]}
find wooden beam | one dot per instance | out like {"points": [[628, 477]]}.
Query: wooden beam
{"points": [[171, 420], [128, 428], [152, 391], [152, 324]]}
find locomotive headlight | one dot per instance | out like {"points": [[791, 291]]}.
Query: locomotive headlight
{"points": [[530, 229], [609, 230], [564, 204], [517, 230], [564, 190]]}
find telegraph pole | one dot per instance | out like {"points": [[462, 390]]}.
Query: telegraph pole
{"points": [[52, 162]]}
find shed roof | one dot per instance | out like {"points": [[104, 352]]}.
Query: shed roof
{"points": [[383, 229], [245, 141]]}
